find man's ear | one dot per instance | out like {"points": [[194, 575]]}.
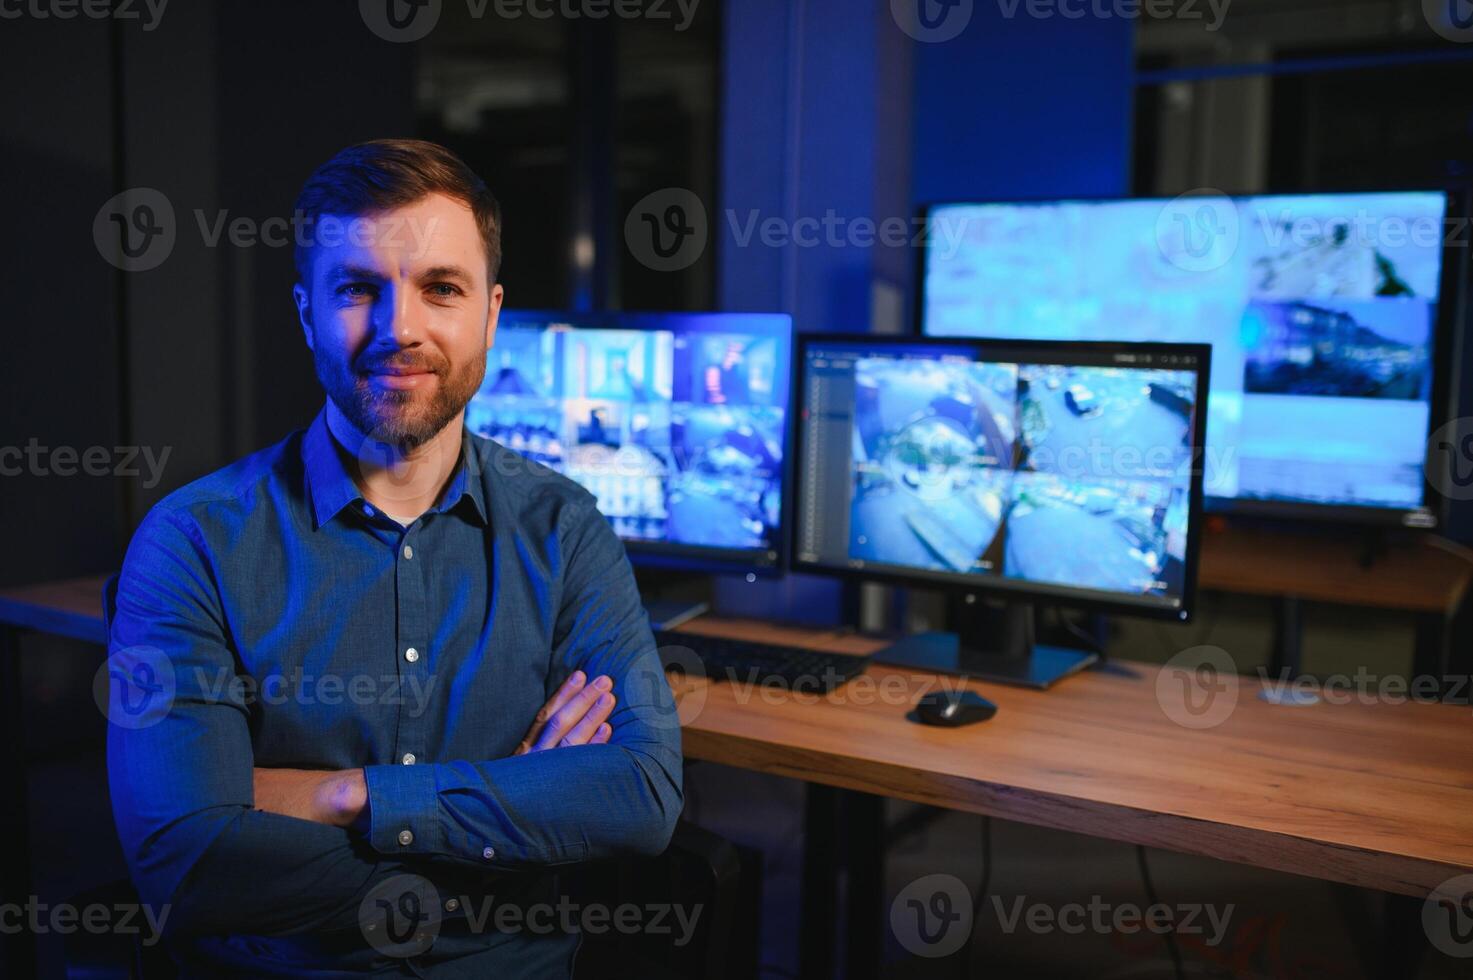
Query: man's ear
{"points": [[304, 311], [493, 313]]}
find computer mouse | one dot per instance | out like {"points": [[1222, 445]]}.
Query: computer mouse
{"points": [[952, 709]]}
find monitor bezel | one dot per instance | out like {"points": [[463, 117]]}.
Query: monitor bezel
{"points": [[1432, 512], [671, 556], [991, 586]]}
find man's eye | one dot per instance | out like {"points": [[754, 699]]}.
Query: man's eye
{"points": [[444, 290], [355, 290]]}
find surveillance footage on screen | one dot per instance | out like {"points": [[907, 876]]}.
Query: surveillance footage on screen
{"points": [[1059, 474], [679, 436], [1321, 311]]}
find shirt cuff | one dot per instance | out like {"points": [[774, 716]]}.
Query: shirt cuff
{"points": [[404, 810]]}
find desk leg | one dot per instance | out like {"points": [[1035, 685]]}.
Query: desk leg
{"points": [[864, 864], [1403, 941], [817, 919], [15, 828], [844, 832]]}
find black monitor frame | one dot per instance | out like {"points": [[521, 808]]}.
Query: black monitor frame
{"points": [[666, 556], [997, 587], [1454, 272]]}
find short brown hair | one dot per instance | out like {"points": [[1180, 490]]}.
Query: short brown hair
{"points": [[381, 175]]}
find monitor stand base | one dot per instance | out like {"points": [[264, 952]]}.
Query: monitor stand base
{"points": [[1038, 667]]}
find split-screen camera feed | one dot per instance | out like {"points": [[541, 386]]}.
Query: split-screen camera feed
{"points": [[1068, 475], [1321, 311], [676, 426]]}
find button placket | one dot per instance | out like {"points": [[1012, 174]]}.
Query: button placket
{"points": [[413, 661]]}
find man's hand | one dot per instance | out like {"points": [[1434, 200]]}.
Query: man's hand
{"points": [[335, 797], [576, 715]]}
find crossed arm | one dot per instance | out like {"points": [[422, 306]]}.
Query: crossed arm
{"points": [[576, 715], [237, 849]]}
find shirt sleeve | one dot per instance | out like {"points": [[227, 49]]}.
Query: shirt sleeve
{"points": [[180, 764], [566, 804]]}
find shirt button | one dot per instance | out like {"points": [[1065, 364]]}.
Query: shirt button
{"points": [[367, 510], [408, 551], [408, 758], [411, 654], [406, 837], [451, 904], [489, 853]]}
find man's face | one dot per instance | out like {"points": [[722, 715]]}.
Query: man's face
{"points": [[399, 314]]}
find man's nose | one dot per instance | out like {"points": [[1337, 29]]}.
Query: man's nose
{"points": [[401, 317]]}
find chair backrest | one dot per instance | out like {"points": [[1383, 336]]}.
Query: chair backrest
{"points": [[109, 604]]}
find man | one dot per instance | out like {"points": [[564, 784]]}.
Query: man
{"points": [[391, 664]]}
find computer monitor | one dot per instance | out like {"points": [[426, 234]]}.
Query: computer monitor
{"points": [[1063, 473], [675, 422], [1329, 316]]}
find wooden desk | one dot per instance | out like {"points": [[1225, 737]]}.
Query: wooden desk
{"points": [[1414, 577], [72, 608], [1377, 795], [1419, 578]]}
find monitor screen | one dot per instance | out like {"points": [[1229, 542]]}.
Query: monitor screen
{"points": [[675, 422], [1064, 471], [1321, 311]]}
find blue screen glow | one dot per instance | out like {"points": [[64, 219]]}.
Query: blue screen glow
{"points": [[1320, 309], [674, 422], [1069, 471]]}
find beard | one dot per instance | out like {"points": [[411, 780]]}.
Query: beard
{"points": [[404, 419]]}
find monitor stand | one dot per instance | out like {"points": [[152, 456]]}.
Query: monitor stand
{"points": [[992, 645]]}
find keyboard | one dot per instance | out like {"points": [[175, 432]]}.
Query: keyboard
{"points": [[746, 662]]}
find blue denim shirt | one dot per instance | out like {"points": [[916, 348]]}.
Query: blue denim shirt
{"points": [[280, 621]]}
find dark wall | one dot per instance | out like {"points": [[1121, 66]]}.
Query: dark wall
{"points": [[293, 97], [224, 110], [57, 370], [257, 95]]}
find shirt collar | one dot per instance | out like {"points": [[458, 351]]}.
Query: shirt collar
{"points": [[331, 486]]}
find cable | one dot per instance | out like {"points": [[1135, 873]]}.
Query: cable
{"points": [[1151, 897]]}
